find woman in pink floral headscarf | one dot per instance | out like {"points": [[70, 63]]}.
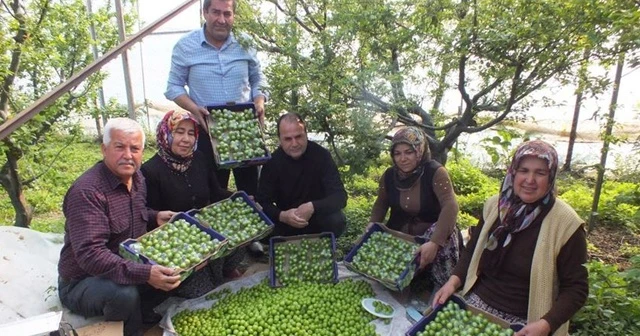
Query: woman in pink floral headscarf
{"points": [[524, 261], [179, 178]]}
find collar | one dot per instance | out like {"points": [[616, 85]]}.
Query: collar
{"points": [[203, 40], [114, 181]]}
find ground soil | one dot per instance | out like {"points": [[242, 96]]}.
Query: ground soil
{"points": [[608, 242]]}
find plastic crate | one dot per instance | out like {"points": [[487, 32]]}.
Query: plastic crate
{"points": [[278, 240], [268, 223], [127, 251], [409, 271], [422, 323], [228, 164]]}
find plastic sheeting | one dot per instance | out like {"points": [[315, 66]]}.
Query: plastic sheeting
{"points": [[399, 324], [29, 276]]}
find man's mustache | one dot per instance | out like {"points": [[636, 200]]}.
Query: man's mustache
{"points": [[126, 163]]}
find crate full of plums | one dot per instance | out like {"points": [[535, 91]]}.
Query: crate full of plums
{"points": [[237, 218], [182, 244], [302, 258], [455, 317], [236, 136], [386, 256]]}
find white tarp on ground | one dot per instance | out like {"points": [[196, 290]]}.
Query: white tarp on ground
{"points": [[29, 276], [399, 324]]}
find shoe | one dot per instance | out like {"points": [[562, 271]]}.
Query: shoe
{"points": [[233, 274], [149, 319], [257, 248]]}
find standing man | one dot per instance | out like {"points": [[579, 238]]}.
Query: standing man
{"points": [[104, 207], [300, 187], [217, 70]]}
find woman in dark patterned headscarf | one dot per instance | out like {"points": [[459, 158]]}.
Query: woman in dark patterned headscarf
{"points": [[524, 261], [177, 139], [178, 178], [420, 195]]}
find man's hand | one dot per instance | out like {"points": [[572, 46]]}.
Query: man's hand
{"points": [[161, 278], [164, 216], [305, 211], [201, 114], [198, 112], [538, 328], [428, 253], [259, 105], [369, 226], [446, 291], [290, 218]]}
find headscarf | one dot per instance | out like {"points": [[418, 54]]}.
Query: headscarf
{"points": [[515, 215], [164, 138], [416, 139]]}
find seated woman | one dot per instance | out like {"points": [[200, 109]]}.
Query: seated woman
{"points": [[179, 178], [420, 194], [524, 261]]}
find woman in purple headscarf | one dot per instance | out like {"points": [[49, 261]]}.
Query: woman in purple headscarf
{"points": [[524, 261], [420, 195]]}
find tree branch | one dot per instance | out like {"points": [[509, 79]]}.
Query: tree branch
{"points": [[6, 7], [486, 90], [295, 17], [512, 99], [396, 83], [310, 16], [461, 79]]}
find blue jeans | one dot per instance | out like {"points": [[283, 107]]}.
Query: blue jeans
{"points": [[95, 296]]}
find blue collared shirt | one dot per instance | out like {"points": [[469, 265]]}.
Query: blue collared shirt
{"points": [[214, 76]]}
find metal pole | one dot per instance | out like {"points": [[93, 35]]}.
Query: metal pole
{"points": [[125, 61], [144, 84]]}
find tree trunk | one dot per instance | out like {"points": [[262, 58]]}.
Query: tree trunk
{"points": [[10, 181], [582, 78], [605, 144]]}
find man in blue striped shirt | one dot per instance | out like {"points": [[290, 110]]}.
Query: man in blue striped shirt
{"points": [[217, 70]]}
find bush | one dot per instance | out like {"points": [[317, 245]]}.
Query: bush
{"points": [[472, 186], [468, 179], [579, 196], [465, 220], [613, 304], [365, 184], [358, 211]]}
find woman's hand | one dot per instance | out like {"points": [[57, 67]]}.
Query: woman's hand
{"points": [[164, 216], [428, 253], [446, 291], [538, 328]]}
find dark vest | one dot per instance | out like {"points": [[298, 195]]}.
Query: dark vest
{"points": [[429, 205]]}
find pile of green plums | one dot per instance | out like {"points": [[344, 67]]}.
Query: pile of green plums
{"points": [[178, 245], [382, 308], [238, 135], [304, 260], [384, 256], [453, 320], [301, 309], [235, 219]]}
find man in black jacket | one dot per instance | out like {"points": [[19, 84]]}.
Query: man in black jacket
{"points": [[300, 187]]}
